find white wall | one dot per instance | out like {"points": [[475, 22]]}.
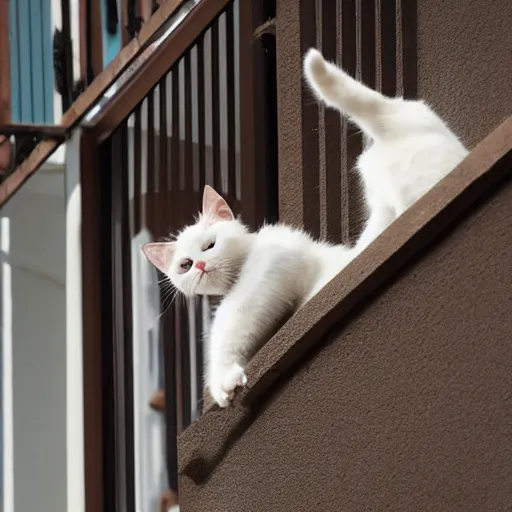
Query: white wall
{"points": [[36, 260]]}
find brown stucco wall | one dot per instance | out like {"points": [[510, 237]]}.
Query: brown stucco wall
{"points": [[406, 403], [465, 62], [390, 390]]}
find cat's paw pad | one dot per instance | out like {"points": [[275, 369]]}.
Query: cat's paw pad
{"points": [[223, 390], [221, 398], [234, 378]]}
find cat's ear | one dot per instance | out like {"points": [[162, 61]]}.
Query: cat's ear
{"points": [[160, 254], [215, 207]]}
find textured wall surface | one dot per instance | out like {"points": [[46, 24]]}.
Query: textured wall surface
{"points": [[455, 55], [390, 389], [407, 406], [464, 63]]}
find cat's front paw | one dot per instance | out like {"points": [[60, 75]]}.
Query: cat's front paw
{"points": [[223, 389]]}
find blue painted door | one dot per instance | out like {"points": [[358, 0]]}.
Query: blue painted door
{"points": [[31, 55]]}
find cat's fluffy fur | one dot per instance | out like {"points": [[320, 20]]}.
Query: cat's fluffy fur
{"points": [[411, 147], [265, 277]]}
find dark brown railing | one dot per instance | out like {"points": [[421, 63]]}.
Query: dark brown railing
{"points": [[375, 41], [219, 102], [210, 119]]}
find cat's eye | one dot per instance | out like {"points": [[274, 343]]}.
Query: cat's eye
{"points": [[185, 265], [209, 246]]}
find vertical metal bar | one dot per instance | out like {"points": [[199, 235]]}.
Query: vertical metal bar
{"points": [[366, 71], [137, 159], [182, 341], [160, 221], [126, 286], [199, 362], [122, 324], [195, 125], [367, 41], [258, 117], [208, 106], [179, 308], [116, 295], [195, 327], [93, 300], [175, 151], [387, 43], [171, 419], [407, 30], [188, 198], [172, 323], [109, 390], [182, 118], [178, 347], [310, 156], [331, 151], [163, 159], [201, 182], [201, 114], [171, 117], [230, 104], [152, 212], [188, 157], [169, 143], [351, 138], [215, 106]]}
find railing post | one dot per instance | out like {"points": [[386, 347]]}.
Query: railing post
{"points": [[258, 146], [92, 304]]}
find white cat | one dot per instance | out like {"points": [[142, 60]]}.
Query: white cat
{"points": [[411, 147], [264, 278]]}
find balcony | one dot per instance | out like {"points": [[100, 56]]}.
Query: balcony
{"points": [[390, 388]]}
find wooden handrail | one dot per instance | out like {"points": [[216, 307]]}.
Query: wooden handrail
{"points": [[157, 65], [83, 104], [47, 131]]}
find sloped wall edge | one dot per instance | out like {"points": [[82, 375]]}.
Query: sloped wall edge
{"points": [[203, 444]]}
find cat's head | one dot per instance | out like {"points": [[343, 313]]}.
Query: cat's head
{"points": [[206, 257]]}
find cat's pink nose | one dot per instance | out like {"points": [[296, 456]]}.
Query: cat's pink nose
{"points": [[200, 265]]}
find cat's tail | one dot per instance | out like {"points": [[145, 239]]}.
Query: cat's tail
{"points": [[364, 106]]}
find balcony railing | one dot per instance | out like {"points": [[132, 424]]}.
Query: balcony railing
{"points": [[203, 108], [209, 92], [49, 53]]}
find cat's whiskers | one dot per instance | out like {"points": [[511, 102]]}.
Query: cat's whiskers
{"points": [[164, 279], [172, 295], [166, 286]]}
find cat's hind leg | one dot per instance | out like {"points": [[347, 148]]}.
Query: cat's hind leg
{"points": [[380, 218]]}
